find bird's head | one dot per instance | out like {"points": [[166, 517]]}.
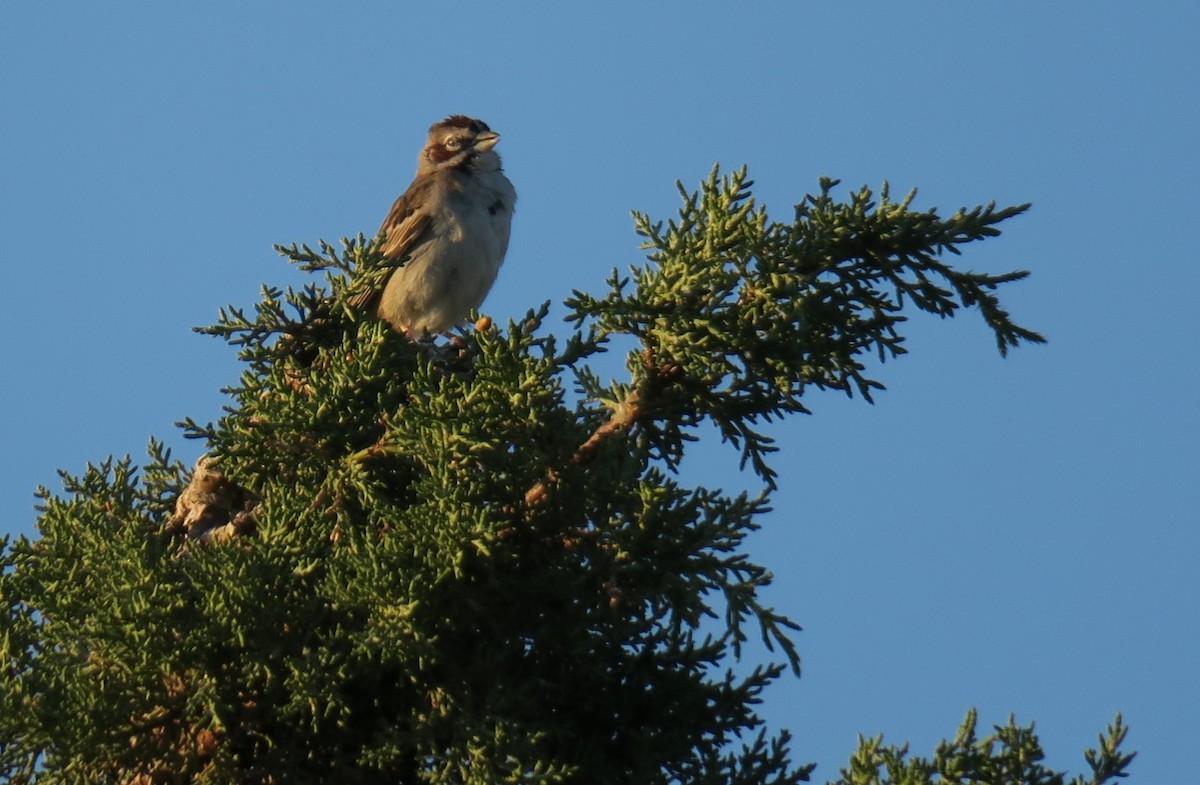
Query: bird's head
{"points": [[460, 142]]}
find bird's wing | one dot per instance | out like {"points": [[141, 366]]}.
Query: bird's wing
{"points": [[404, 229], [406, 222]]}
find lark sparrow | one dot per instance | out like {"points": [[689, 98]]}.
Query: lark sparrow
{"points": [[452, 224]]}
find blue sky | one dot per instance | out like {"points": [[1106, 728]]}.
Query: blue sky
{"points": [[1018, 535]]}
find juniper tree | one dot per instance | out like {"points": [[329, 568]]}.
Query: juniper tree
{"points": [[475, 561]]}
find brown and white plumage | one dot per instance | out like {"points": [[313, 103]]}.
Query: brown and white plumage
{"points": [[453, 226]]}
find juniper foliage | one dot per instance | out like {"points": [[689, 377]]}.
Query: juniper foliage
{"points": [[472, 562]]}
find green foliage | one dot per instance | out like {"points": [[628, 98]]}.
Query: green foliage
{"points": [[469, 562], [745, 313], [1012, 755]]}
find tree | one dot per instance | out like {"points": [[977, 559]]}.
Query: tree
{"points": [[474, 561]]}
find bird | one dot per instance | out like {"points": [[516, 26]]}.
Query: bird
{"points": [[452, 226]]}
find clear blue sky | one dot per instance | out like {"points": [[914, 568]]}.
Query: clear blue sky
{"points": [[1018, 535]]}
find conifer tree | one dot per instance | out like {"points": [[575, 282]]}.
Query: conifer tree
{"points": [[474, 561]]}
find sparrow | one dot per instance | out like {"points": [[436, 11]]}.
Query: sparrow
{"points": [[452, 226]]}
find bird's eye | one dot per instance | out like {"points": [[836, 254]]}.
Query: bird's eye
{"points": [[452, 143]]}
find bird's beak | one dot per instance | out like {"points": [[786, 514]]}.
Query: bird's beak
{"points": [[486, 140]]}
